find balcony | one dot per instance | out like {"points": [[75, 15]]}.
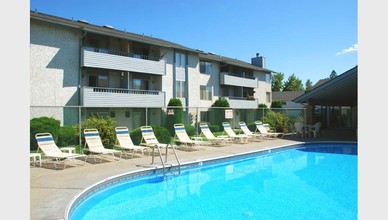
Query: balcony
{"points": [[122, 61], [241, 102], [236, 80], [112, 97]]}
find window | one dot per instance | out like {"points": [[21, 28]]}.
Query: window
{"points": [[180, 89], [180, 60], [268, 78], [140, 84], [268, 96], [206, 92], [98, 81], [205, 67]]}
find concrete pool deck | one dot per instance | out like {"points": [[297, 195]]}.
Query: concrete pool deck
{"points": [[51, 190]]}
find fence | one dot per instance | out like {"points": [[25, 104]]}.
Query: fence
{"points": [[136, 117]]}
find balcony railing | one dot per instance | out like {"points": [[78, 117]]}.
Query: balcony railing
{"points": [[242, 102], [113, 97], [122, 61], [237, 80]]}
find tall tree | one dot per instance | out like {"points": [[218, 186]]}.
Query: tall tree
{"points": [[333, 74], [277, 82], [308, 85], [293, 84]]}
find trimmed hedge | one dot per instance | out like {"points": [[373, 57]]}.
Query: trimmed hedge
{"points": [[105, 126]]}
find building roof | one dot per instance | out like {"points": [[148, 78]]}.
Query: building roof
{"points": [[230, 61], [320, 82], [110, 31], [341, 90], [286, 95], [107, 30]]}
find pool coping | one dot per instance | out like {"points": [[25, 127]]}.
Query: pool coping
{"points": [[159, 169]]}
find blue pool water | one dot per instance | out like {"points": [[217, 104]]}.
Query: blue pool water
{"points": [[312, 181]]}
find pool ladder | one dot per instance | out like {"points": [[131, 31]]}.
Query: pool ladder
{"points": [[164, 162]]}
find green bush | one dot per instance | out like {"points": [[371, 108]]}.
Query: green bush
{"points": [[277, 104], [68, 135], [43, 125], [190, 130], [105, 126], [277, 121], [161, 133], [262, 105], [176, 118], [252, 126], [219, 114], [214, 128]]}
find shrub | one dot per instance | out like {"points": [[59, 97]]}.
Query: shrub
{"points": [[277, 104], [190, 130], [68, 135], [176, 118], [105, 126], [277, 120], [262, 105], [43, 125], [252, 126], [161, 133], [219, 114], [214, 128]]}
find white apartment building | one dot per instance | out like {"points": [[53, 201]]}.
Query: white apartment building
{"points": [[77, 69]]}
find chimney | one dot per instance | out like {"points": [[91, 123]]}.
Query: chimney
{"points": [[258, 61]]}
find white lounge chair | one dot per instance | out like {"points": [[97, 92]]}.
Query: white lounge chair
{"points": [[94, 145], [50, 149], [240, 138], [182, 137], [124, 142], [260, 127], [219, 140], [252, 136], [149, 139]]}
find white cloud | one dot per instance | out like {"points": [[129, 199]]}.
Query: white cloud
{"points": [[353, 48]]}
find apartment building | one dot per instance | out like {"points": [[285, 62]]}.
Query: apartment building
{"points": [[78, 69]]}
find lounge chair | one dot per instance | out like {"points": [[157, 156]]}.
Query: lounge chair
{"points": [[251, 136], [149, 140], [263, 129], [94, 145], [125, 144], [182, 137], [50, 149], [219, 140], [240, 138]]}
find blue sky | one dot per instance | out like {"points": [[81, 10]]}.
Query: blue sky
{"points": [[303, 37]]}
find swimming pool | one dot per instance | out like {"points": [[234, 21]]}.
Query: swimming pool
{"points": [[310, 181]]}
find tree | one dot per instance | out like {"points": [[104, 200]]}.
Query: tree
{"points": [[333, 74], [293, 84], [309, 85], [277, 82]]}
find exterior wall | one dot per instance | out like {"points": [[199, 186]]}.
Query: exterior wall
{"points": [[168, 79], [54, 68], [212, 80], [262, 89], [193, 76]]}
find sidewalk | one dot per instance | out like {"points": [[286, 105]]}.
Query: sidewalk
{"points": [[52, 190]]}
